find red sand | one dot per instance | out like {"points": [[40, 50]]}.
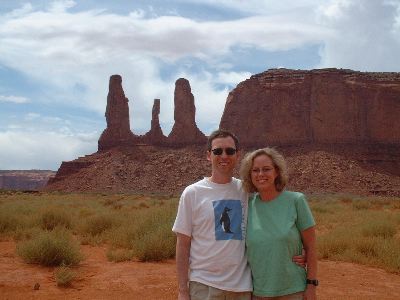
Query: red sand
{"points": [[99, 279]]}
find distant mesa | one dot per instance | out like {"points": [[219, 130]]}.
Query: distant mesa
{"points": [[25, 180]]}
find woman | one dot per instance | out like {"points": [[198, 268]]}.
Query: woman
{"points": [[280, 224]]}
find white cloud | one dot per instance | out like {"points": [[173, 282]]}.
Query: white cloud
{"points": [[42, 150], [13, 99], [232, 78], [25, 9], [63, 49], [61, 6], [366, 35]]}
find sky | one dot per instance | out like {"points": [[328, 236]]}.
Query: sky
{"points": [[56, 58]]}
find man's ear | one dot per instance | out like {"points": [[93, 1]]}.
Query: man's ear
{"points": [[209, 155], [239, 154]]}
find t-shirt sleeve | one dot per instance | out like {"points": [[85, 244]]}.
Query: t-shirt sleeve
{"points": [[183, 221], [305, 218]]}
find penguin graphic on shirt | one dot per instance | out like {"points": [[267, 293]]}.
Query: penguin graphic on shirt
{"points": [[225, 221]]}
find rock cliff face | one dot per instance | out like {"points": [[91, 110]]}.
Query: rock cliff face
{"points": [[155, 136], [338, 129], [185, 131], [118, 132], [327, 106]]}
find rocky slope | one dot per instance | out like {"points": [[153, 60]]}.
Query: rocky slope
{"points": [[148, 169]]}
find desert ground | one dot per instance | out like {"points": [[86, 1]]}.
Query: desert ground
{"points": [[97, 278]]}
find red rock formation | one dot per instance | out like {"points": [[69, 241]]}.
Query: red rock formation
{"points": [[155, 136], [327, 106], [118, 132], [311, 116], [185, 131]]}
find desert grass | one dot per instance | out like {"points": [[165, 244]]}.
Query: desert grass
{"points": [[50, 248], [358, 229], [64, 276], [363, 230], [53, 217], [133, 226]]}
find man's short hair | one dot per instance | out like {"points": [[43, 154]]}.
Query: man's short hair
{"points": [[222, 133]]}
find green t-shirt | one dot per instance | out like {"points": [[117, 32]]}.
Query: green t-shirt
{"points": [[273, 238]]}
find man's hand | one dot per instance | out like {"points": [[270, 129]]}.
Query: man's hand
{"points": [[184, 295], [300, 260]]}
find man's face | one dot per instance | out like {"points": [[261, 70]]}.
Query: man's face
{"points": [[223, 164]]}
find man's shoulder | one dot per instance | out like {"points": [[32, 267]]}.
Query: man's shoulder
{"points": [[194, 186]]}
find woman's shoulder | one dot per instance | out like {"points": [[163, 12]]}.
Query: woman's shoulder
{"points": [[293, 195]]}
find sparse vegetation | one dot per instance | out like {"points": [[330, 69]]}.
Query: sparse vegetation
{"points": [[64, 276], [53, 217], [118, 255], [8, 223], [50, 249], [364, 230]]}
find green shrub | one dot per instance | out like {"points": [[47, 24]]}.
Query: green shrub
{"points": [[64, 276], [154, 240], [96, 225], [154, 247], [51, 218], [50, 249]]}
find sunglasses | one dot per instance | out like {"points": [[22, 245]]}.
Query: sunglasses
{"points": [[228, 151]]}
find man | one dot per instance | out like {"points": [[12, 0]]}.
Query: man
{"points": [[210, 226]]}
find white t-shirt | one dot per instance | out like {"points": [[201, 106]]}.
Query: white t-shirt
{"points": [[215, 216]]}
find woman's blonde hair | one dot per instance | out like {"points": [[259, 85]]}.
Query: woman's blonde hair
{"points": [[279, 163]]}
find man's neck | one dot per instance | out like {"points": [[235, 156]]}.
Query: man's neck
{"points": [[220, 179]]}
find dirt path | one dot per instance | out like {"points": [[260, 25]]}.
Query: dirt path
{"points": [[100, 279]]}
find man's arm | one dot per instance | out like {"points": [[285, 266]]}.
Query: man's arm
{"points": [[183, 243]]}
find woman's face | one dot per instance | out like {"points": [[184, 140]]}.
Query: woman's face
{"points": [[263, 173]]}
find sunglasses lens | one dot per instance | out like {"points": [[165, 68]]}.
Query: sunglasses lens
{"points": [[217, 151], [230, 151]]}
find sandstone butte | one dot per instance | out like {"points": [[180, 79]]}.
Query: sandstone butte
{"points": [[340, 124]]}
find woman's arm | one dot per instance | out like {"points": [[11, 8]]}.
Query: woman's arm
{"points": [[309, 243]]}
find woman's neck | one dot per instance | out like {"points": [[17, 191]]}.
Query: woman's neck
{"points": [[268, 195]]}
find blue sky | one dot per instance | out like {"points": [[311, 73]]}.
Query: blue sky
{"points": [[56, 58]]}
